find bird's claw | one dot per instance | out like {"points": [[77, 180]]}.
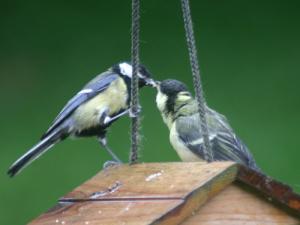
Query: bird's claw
{"points": [[104, 118], [110, 163], [136, 113]]}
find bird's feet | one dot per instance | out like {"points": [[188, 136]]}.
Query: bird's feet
{"points": [[104, 117], [111, 163], [136, 113]]}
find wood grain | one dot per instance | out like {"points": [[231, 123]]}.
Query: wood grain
{"points": [[151, 180], [236, 206], [112, 213], [154, 193]]}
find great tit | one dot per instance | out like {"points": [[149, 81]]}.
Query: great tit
{"points": [[179, 111], [90, 112]]}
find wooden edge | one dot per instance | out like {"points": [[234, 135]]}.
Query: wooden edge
{"points": [[271, 189], [195, 199]]}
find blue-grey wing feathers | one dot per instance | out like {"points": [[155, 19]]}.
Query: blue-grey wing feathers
{"points": [[60, 127], [225, 144], [93, 88]]}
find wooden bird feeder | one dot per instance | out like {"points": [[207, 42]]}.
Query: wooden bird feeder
{"points": [[177, 193]]}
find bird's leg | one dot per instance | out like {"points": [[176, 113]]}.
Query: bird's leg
{"points": [[109, 119], [104, 116], [103, 142], [110, 163]]}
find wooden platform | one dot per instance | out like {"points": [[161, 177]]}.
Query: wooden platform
{"points": [[165, 193]]}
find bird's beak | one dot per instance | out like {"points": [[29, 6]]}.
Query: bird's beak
{"points": [[150, 82], [157, 84]]}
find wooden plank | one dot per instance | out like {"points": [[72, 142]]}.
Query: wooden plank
{"points": [[153, 193], [235, 205], [150, 180]]}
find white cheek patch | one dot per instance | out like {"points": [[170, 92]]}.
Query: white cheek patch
{"points": [[161, 100], [126, 69]]}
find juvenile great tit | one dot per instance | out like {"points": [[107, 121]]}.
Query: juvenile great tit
{"points": [[179, 111], [90, 112]]}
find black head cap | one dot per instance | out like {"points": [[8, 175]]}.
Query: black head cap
{"points": [[144, 71], [171, 87], [125, 70]]}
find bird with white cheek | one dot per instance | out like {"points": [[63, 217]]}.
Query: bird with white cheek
{"points": [[179, 111], [90, 112]]}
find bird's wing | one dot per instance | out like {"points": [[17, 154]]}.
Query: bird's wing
{"points": [[226, 139], [229, 147], [225, 144], [93, 88]]}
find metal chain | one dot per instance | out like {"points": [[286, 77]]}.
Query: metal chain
{"points": [[135, 122], [190, 38]]}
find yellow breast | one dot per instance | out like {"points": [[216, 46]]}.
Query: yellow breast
{"points": [[183, 152], [113, 98]]}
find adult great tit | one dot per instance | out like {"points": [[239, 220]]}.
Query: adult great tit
{"points": [[179, 111], [90, 112]]}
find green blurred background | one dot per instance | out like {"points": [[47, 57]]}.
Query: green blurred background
{"points": [[249, 56]]}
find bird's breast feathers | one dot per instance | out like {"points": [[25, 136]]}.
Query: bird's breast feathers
{"points": [[113, 99], [183, 152], [161, 101]]}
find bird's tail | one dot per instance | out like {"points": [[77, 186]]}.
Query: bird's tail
{"points": [[36, 151]]}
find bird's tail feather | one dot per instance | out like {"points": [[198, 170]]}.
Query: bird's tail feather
{"points": [[35, 152]]}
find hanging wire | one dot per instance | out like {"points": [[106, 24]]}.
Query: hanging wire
{"points": [[135, 122], [190, 39]]}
